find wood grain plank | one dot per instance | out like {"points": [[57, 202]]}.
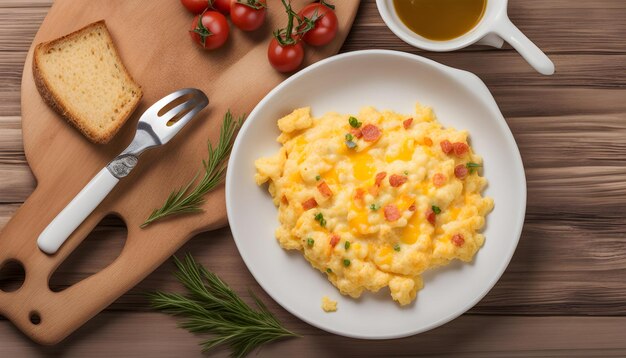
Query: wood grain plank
{"points": [[16, 183], [507, 69], [11, 146], [584, 190], [141, 335], [21, 4], [18, 26], [549, 102], [11, 65], [571, 140]]}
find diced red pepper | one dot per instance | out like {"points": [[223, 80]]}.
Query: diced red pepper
{"points": [[460, 149], [334, 240], [396, 180], [371, 133], [324, 189], [407, 123], [359, 193], [458, 240], [431, 216], [439, 180], [446, 146], [356, 133], [461, 171], [309, 204], [391, 212], [380, 177]]}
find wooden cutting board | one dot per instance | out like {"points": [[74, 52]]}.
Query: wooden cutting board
{"points": [[154, 44]]}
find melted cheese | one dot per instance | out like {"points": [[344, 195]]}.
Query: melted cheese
{"points": [[405, 153], [331, 176], [360, 222], [384, 255], [411, 231], [362, 165]]}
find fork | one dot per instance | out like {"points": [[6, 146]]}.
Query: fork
{"points": [[153, 129]]}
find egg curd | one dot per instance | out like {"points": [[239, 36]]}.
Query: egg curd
{"points": [[374, 200], [329, 305]]}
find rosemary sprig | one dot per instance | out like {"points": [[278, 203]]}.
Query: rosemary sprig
{"points": [[185, 200], [210, 306]]}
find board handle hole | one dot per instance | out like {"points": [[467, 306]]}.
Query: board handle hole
{"points": [[35, 318], [12, 275], [97, 251]]}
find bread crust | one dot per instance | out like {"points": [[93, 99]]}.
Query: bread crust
{"points": [[58, 104]]}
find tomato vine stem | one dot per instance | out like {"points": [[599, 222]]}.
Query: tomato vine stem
{"points": [[202, 30]]}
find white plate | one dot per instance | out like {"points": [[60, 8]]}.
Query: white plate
{"points": [[387, 80]]}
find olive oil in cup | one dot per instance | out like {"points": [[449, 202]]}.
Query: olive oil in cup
{"points": [[450, 25], [440, 20]]}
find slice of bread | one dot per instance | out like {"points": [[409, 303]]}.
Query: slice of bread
{"points": [[82, 77]]}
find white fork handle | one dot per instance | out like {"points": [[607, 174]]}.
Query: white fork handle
{"points": [[76, 212], [531, 53]]}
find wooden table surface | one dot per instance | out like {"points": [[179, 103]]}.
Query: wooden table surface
{"points": [[564, 293]]}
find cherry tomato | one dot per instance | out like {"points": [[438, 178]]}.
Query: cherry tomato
{"points": [[285, 58], [248, 15], [212, 32], [195, 6], [222, 6], [326, 24]]}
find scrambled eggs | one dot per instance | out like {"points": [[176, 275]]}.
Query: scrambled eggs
{"points": [[329, 305], [374, 200]]}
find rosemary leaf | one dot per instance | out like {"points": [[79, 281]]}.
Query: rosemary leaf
{"points": [[187, 200], [210, 306]]}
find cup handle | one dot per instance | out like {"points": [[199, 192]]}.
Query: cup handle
{"points": [[492, 40], [529, 51]]}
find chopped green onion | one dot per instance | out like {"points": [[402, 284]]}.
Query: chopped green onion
{"points": [[354, 123], [406, 172], [349, 137], [436, 209], [346, 262], [319, 217], [347, 245], [472, 167], [396, 247], [317, 178], [374, 207], [329, 270], [310, 242]]}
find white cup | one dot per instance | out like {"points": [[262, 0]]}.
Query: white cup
{"points": [[494, 24]]}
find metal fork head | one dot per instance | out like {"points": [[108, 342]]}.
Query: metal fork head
{"points": [[192, 101], [154, 127]]}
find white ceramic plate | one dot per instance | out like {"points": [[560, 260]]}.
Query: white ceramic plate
{"points": [[387, 80]]}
